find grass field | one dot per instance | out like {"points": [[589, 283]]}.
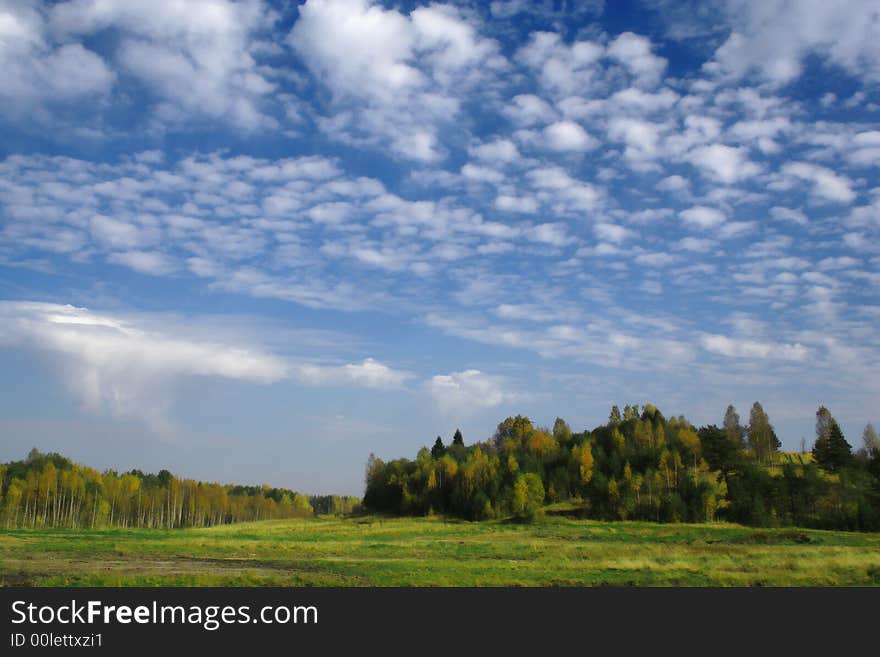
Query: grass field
{"points": [[373, 551]]}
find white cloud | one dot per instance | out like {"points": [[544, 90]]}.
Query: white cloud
{"points": [[642, 140], [528, 109], [554, 234], [726, 164], [127, 366], [521, 204], [568, 194], [635, 99], [37, 71], [466, 392], [122, 234], [145, 262], [368, 374], [793, 215], [396, 78], [772, 39], [500, 151], [857, 241], [196, 57], [826, 184], [481, 174], [634, 52], [736, 229], [659, 259], [696, 245], [840, 262], [703, 217], [568, 136], [747, 348], [613, 233], [561, 68], [113, 365], [866, 149], [674, 183]]}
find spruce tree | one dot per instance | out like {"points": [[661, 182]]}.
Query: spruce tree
{"points": [[831, 450], [840, 450], [438, 450], [457, 439], [823, 431]]}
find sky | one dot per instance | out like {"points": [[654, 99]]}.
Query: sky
{"points": [[255, 242]]}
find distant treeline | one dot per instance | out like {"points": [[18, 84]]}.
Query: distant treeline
{"points": [[641, 465], [49, 490]]}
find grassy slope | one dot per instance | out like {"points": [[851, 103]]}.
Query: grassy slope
{"points": [[375, 551]]}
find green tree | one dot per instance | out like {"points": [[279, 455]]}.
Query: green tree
{"points": [[528, 496], [823, 432], [719, 451], [561, 431], [732, 427], [833, 453], [761, 437], [823, 424], [438, 450], [457, 438], [614, 416]]}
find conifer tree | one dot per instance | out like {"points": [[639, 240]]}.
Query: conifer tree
{"points": [[831, 450]]}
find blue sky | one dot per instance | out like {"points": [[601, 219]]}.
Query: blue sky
{"points": [[256, 241]]}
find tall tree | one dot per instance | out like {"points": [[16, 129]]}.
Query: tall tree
{"points": [[871, 441], [762, 438], [841, 450], [823, 424], [561, 431], [832, 451], [871, 450], [614, 417], [457, 439], [439, 449], [732, 427], [823, 432]]}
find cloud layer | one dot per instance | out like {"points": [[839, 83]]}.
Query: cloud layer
{"points": [[511, 194]]}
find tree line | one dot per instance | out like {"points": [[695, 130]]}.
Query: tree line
{"points": [[49, 490], [641, 465]]}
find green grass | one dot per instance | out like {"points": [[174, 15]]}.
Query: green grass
{"points": [[375, 551]]}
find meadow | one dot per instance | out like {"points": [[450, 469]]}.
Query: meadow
{"points": [[432, 551]]}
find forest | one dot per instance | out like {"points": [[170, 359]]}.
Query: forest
{"points": [[641, 466], [49, 490]]}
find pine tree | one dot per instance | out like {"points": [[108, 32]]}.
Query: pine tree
{"points": [[457, 439], [438, 450], [831, 452], [821, 450], [841, 451]]}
